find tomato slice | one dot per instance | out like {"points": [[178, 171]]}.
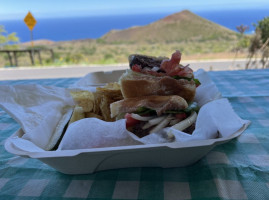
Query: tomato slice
{"points": [[181, 116], [130, 121], [136, 68]]}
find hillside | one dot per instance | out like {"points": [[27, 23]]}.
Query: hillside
{"points": [[194, 36], [178, 27]]}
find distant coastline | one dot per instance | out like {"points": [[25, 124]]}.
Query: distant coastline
{"points": [[65, 29]]}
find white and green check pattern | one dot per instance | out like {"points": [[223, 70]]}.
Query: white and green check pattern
{"points": [[236, 170]]}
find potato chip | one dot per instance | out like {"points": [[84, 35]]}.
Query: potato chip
{"points": [[78, 113], [84, 99], [97, 104], [91, 114]]}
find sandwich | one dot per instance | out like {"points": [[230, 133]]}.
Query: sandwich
{"points": [[150, 114], [158, 76]]}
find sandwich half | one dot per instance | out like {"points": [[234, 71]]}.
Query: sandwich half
{"points": [[148, 114], [158, 76]]}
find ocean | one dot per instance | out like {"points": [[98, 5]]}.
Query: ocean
{"points": [[61, 29]]}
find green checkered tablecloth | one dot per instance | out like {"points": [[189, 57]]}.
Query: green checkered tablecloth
{"points": [[238, 169]]}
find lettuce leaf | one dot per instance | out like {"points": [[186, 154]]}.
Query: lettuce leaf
{"points": [[197, 82], [147, 111]]}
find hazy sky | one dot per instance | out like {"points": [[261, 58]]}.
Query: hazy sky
{"points": [[17, 9]]}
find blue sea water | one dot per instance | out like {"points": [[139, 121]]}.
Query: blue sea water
{"points": [[61, 29]]}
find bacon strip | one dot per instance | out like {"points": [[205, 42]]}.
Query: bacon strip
{"points": [[173, 68]]}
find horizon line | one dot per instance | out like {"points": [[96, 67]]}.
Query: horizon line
{"points": [[78, 15]]}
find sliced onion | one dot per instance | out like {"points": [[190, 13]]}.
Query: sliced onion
{"points": [[174, 121], [146, 68], [162, 125], [147, 125], [153, 122], [157, 120], [140, 118], [186, 122], [155, 68]]}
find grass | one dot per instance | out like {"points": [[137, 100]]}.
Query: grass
{"points": [[96, 52], [194, 36]]}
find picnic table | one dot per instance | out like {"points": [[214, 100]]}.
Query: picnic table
{"points": [[13, 55]]}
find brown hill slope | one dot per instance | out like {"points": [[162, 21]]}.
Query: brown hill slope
{"points": [[178, 27]]}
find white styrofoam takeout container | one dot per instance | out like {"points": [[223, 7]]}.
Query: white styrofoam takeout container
{"points": [[84, 161]]}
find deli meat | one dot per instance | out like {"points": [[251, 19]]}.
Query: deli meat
{"points": [[173, 68]]}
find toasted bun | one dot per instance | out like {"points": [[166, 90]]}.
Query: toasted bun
{"points": [[135, 84], [158, 103], [145, 61]]}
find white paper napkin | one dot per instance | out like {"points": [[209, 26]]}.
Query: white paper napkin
{"points": [[92, 133], [216, 119], [207, 91], [38, 109]]}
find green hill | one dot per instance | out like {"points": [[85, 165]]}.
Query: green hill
{"points": [[194, 36], [181, 26]]}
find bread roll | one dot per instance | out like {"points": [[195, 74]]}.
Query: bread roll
{"points": [[158, 103], [135, 84]]}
